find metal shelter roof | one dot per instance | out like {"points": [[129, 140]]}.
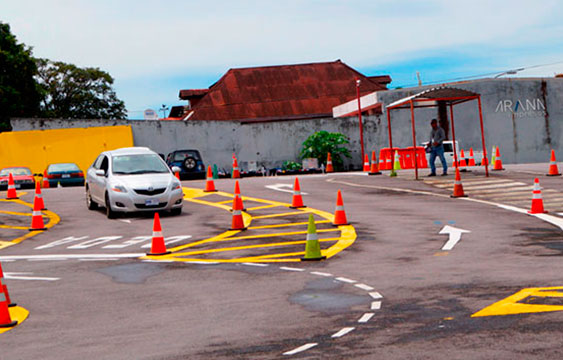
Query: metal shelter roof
{"points": [[443, 93]]}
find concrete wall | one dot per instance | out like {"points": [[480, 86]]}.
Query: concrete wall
{"points": [[524, 133], [524, 117], [269, 144]]}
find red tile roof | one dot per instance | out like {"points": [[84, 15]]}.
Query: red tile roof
{"points": [[280, 92]]}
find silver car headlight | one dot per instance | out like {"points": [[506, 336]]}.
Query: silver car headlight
{"points": [[175, 186], [119, 188]]}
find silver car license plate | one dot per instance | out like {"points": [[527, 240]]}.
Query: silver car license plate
{"points": [[66, 176], [151, 202]]}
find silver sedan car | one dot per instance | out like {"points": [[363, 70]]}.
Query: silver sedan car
{"points": [[132, 179]]}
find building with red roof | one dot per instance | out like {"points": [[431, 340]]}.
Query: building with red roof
{"points": [[274, 93]]}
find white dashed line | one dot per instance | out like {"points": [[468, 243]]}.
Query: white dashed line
{"points": [[255, 264], [376, 295], [364, 287], [342, 332], [290, 268], [301, 348], [376, 305], [321, 273], [365, 318], [346, 280], [100, 259]]}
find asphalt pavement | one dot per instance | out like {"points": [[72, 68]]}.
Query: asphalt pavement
{"points": [[393, 287]]}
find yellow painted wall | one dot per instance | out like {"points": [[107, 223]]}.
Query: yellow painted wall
{"points": [[38, 148]]}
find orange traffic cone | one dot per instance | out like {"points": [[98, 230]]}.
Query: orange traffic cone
{"points": [[45, 183], [209, 184], [553, 170], [471, 158], [297, 201], [37, 218], [39, 196], [537, 200], [237, 192], [158, 247], [458, 187], [498, 162], [339, 213], [5, 318], [462, 162], [374, 170], [236, 170], [329, 167], [366, 163], [177, 174], [5, 288], [238, 220], [11, 188]]}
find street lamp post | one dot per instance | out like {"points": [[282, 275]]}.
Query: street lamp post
{"points": [[358, 81]]}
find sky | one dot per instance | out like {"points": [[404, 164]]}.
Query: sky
{"points": [[154, 49]]}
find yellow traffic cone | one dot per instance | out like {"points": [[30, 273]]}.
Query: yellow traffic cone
{"points": [[312, 246], [396, 165]]}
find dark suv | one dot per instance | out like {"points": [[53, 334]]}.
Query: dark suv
{"points": [[190, 163]]}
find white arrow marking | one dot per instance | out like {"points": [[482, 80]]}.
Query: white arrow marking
{"points": [[455, 236], [282, 188], [15, 276]]}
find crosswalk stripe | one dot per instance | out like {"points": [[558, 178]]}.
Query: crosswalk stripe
{"points": [[493, 186], [503, 191], [471, 183]]}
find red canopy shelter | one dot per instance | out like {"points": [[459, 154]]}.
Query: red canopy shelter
{"points": [[430, 98]]}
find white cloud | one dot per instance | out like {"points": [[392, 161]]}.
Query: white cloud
{"points": [[145, 38]]}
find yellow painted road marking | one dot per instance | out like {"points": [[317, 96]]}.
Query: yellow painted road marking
{"points": [[14, 227], [180, 253], [286, 225], [513, 304], [300, 212], [262, 207], [53, 220], [17, 313], [225, 202]]}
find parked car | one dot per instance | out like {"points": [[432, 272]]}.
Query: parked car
{"points": [[23, 177], [65, 174], [130, 180], [190, 163], [449, 153]]}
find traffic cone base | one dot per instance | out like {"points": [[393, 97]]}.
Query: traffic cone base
{"points": [[312, 245], [158, 247]]}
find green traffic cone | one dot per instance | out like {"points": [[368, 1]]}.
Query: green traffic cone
{"points": [[215, 172], [494, 156], [312, 247], [396, 165]]}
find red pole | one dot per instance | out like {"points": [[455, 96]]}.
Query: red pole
{"points": [[453, 132], [414, 141], [390, 137], [360, 116], [483, 136]]}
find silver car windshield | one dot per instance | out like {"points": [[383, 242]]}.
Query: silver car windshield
{"points": [[138, 164]]}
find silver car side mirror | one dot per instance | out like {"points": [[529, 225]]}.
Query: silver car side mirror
{"points": [[176, 169], [100, 172]]}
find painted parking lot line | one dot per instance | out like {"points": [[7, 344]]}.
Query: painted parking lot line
{"points": [[530, 300], [234, 246], [51, 217]]}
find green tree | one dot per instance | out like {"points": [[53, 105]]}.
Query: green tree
{"points": [[321, 143], [19, 94], [70, 92]]}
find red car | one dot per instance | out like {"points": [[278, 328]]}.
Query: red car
{"points": [[23, 177]]}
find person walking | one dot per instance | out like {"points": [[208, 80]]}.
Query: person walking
{"points": [[437, 137]]}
